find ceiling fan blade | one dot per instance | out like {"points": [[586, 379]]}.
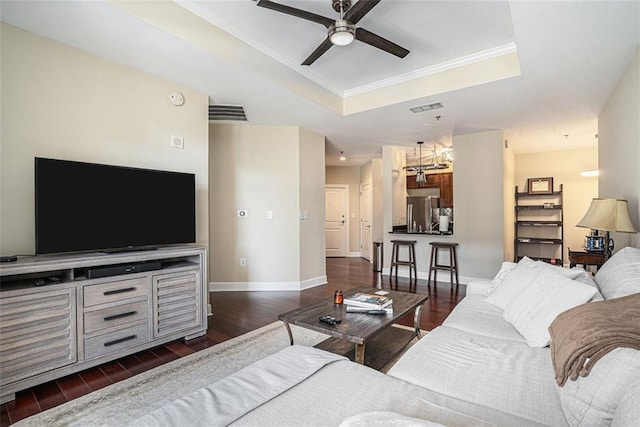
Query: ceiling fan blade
{"points": [[318, 19], [320, 50], [358, 10], [381, 43]]}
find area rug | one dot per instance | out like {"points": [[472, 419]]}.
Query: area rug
{"points": [[119, 403]]}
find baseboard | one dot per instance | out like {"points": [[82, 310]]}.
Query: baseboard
{"points": [[266, 286], [354, 255], [443, 276]]}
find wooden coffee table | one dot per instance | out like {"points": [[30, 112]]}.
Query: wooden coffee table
{"points": [[369, 331]]}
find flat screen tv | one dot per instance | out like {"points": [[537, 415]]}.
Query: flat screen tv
{"points": [[93, 207]]}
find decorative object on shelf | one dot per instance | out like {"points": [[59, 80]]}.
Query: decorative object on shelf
{"points": [[607, 215], [342, 156], [540, 185]]}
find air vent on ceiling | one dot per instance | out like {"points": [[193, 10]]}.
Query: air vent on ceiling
{"points": [[427, 107], [227, 112]]}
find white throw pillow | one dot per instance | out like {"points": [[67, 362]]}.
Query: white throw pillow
{"points": [[532, 311], [504, 269], [620, 275], [514, 282], [593, 400], [517, 279]]}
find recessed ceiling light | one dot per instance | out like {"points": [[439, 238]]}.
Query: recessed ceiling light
{"points": [[427, 107]]}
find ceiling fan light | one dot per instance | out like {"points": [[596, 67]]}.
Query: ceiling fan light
{"points": [[342, 33]]}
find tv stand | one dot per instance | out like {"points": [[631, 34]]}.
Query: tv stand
{"points": [[76, 321], [129, 249]]}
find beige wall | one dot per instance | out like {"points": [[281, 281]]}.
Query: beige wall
{"points": [[565, 167], [478, 202], [371, 172], [64, 103], [349, 175], [509, 162], [312, 237], [261, 169], [619, 149]]}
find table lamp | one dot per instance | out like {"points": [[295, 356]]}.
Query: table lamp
{"points": [[608, 215]]}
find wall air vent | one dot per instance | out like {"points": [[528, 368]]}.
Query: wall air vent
{"points": [[427, 107], [227, 112]]}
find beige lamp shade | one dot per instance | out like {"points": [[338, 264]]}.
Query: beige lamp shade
{"points": [[608, 215]]}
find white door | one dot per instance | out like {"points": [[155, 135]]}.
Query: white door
{"points": [[365, 221], [336, 226]]}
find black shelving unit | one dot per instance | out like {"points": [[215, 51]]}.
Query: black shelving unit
{"points": [[539, 227]]}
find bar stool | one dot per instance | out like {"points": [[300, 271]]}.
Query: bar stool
{"points": [[433, 263], [395, 261]]}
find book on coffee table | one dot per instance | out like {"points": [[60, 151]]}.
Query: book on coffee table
{"points": [[365, 310], [371, 301]]}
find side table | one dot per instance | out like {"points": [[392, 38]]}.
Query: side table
{"points": [[586, 258]]}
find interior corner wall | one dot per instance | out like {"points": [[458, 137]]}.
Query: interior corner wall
{"points": [[349, 175], [619, 149], [394, 195], [565, 167], [312, 200], [478, 202], [371, 172], [377, 229], [61, 102], [509, 162], [257, 169]]}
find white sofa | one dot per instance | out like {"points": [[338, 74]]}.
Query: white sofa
{"points": [[475, 369]]}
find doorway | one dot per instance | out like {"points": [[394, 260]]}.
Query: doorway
{"points": [[336, 227]]}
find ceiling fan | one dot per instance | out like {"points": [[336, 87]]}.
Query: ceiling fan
{"points": [[341, 31]]}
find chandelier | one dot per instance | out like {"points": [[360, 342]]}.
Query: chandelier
{"points": [[437, 162]]}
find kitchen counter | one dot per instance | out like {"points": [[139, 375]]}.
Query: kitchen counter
{"points": [[424, 233]]}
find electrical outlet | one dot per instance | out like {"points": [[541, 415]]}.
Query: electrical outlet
{"points": [[269, 214], [243, 262]]}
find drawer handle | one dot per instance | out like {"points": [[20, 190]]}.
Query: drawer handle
{"points": [[118, 291], [119, 340], [121, 315]]}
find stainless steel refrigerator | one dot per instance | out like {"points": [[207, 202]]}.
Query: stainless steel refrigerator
{"points": [[422, 214]]}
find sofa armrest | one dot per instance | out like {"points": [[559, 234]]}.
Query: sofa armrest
{"points": [[478, 286]]}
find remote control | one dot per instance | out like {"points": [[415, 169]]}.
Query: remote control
{"points": [[330, 320]]}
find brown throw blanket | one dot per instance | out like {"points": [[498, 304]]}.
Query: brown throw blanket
{"points": [[584, 334]]}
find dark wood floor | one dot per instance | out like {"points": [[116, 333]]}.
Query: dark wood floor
{"points": [[234, 313]]}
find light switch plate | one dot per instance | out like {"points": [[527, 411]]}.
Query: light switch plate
{"points": [[177, 142]]}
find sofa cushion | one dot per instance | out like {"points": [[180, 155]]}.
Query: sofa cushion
{"points": [[532, 311], [500, 374], [628, 410], [594, 399], [522, 276], [620, 275], [476, 316]]}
